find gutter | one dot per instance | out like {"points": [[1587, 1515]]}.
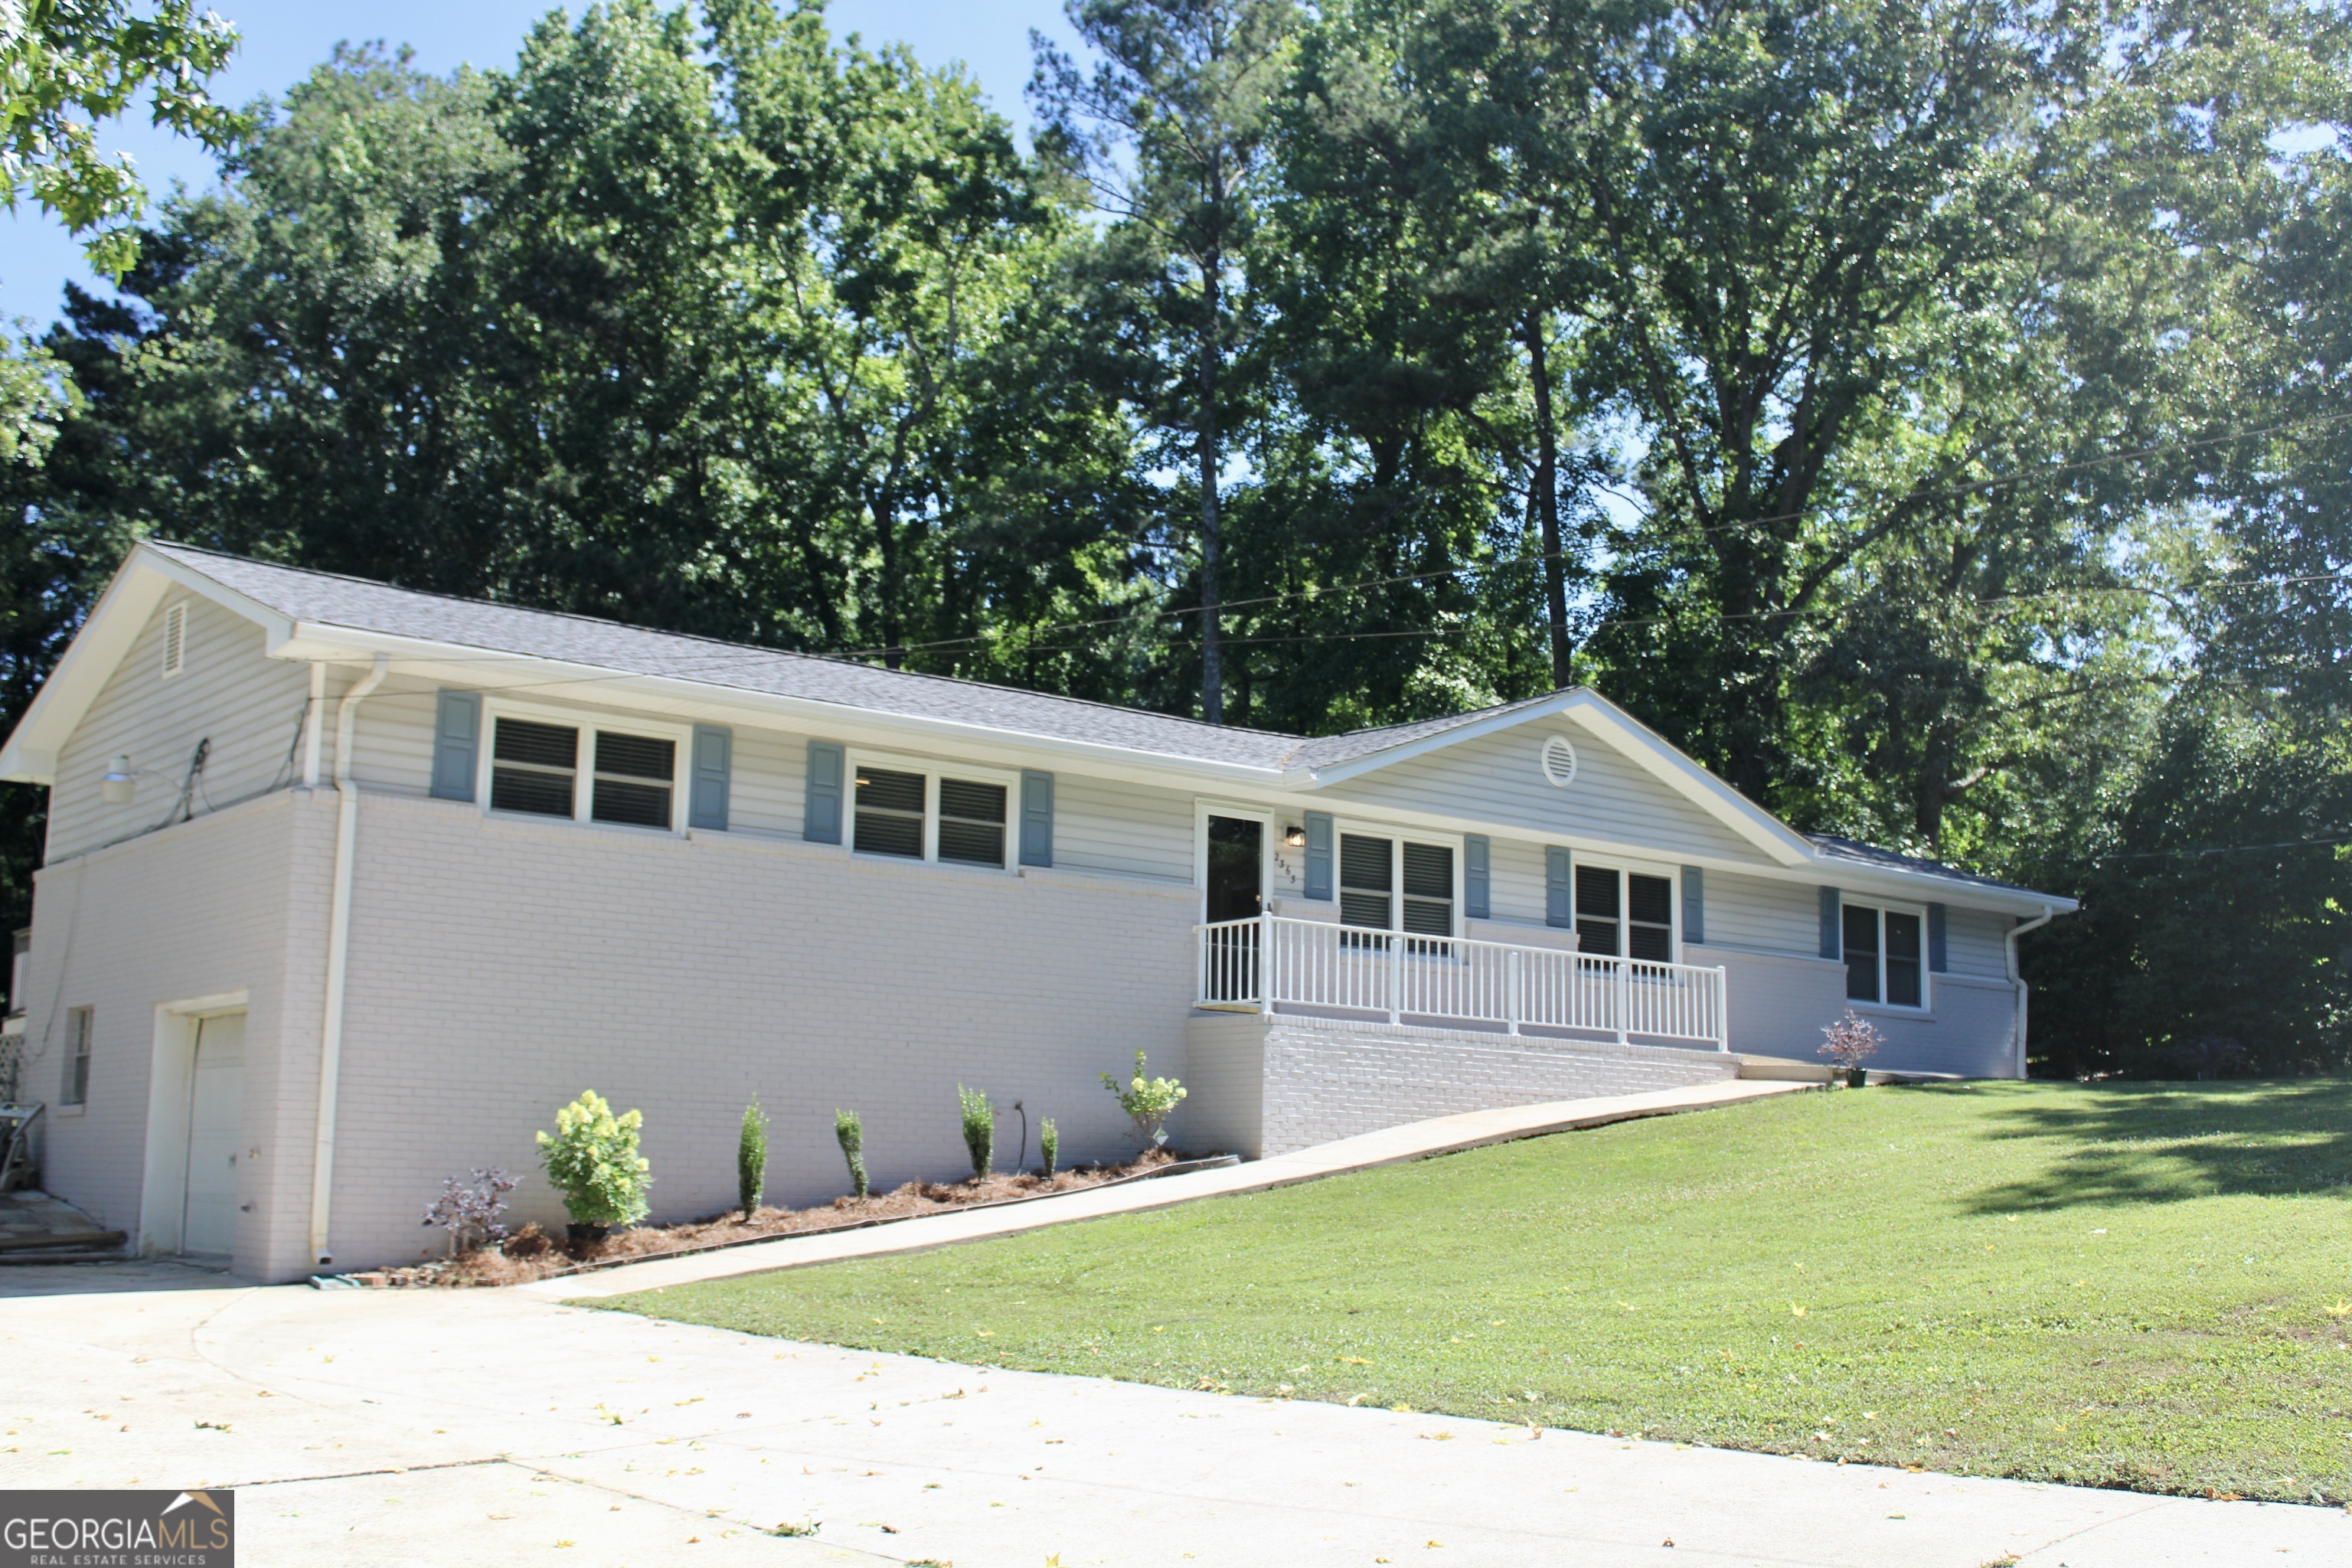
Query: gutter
{"points": [[2016, 980], [339, 941]]}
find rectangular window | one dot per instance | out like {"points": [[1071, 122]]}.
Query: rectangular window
{"points": [[80, 1023], [1428, 890], [533, 767], [633, 779], [1598, 910], [20, 965], [891, 810], [972, 822], [1882, 957], [1367, 881], [1625, 914], [1649, 917]]}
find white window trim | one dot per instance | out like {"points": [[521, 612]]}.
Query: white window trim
{"points": [[583, 776], [1882, 908], [933, 771], [1265, 817], [1633, 864], [1397, 836]]}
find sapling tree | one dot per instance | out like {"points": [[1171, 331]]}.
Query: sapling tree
{"points": [[469, 1211], [751, 1158], [850, 1134], [1049, 1144], [978, 1129], [1148, 1101]]}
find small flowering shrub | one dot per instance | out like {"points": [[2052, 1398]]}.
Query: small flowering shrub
{"points": [[592, 1158], [469, 1211], [1850, 1041], [1148, 1101]]}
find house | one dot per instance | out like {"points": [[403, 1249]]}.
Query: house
{"points": [[347, 887]]}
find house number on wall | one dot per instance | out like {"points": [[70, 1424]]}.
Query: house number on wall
{"points": [[1559, 762]]}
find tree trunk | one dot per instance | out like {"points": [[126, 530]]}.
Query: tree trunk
{"points": [[1212, 661], [1544, 493]]}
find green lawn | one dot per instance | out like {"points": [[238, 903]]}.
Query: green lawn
{"points": [[2146, 1286]]}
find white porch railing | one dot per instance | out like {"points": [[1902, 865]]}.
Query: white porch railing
{"points": [[1269, 960]]}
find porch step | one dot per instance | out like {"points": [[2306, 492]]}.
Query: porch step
{"points": [[1783, 1070]]}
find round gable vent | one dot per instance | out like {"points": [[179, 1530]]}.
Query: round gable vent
{"points": [[1559, 762]]}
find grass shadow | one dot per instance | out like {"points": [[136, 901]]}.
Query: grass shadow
{"points": [[2121, 1143]]}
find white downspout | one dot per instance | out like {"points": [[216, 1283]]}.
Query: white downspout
{"points": [[339, 938], [2016, 980], [314, 719]]}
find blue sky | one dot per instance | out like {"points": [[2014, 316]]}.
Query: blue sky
{"points": [[284, 38]]}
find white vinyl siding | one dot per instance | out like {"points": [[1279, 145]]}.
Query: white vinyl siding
{"points": [[1125, 829], [1499, 780], [228, 692], [1974, 943], [1763, 916]]}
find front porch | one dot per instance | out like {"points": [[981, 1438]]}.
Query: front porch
{"points": [[1281, 964]]}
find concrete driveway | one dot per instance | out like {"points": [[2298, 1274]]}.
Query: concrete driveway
{"points": [[497, 1428]]}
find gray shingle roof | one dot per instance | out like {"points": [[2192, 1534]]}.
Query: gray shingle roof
{"points": [[1837, 848], [325, 599]]}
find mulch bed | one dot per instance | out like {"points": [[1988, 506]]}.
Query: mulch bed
{"points": [[532, 1253]]}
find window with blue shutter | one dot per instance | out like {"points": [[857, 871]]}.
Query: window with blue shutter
{"points": [[706, 801], [457, 745], [1694, 904], [1319, 856], [821, 813], [1833, 933], [1559, 888], [1935, 937], [1036, 819], [1476, 856]]}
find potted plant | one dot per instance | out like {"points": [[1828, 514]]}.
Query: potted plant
{"points": [[1850, 1041], [591, 1158]]}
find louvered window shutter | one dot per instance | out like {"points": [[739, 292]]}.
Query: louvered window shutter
{"points": [[1833, 935], [457, 745], [1559, 886], [714, 764], [1036, 819], [1319, 856], [1475, 856], [1935, 937], [821, 815], [1694, 904]]}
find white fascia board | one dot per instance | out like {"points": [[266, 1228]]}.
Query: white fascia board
{"points": [[1925, 887], [488, 670], [1307, 778]]}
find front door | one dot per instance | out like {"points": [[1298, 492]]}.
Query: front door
{"points": [[215, 1106], [1236, 892]]}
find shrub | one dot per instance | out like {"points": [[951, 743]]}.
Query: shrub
{"points": [[469, 1211], [592, 1158], [1148, 1101], [1049, 1144], [751, 1158], [851, 1135], [1850, 1040], [979, 1128]]}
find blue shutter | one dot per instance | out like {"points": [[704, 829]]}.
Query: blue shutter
{"points": [[714, 754], [1694, 905], [1036, 819], [1935, 937], [1476, 857], [821, 815], [1319, 856], [457, 745], [1833, 939], [1559, 888]]}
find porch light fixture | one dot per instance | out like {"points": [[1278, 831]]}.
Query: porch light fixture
{"points": [[120, 784], [1294, 837]]}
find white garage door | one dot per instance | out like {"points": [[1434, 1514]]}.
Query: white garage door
{"points": [[215, 1102]]}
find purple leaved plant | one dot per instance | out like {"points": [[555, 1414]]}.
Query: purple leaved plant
{"points": [[1850, 1040], [469, 1211]]}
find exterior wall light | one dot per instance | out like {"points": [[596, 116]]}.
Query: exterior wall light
{"points": [[121, 785], [1294, 837]]}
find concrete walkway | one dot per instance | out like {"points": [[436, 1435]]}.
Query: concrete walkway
{"points": [[489, 1427], [1415, 1141]]}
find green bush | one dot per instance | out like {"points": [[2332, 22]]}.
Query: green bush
{"points": [[850, 1134], [591, 1158], [751, 1158], [1148, 1101], [978, 1129], [1049, 1144]]}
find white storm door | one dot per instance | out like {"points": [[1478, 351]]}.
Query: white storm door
{"points": [[215, 1105]]}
